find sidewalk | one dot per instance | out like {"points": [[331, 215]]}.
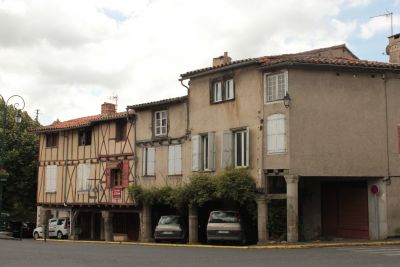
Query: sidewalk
{"points": [[299, 245]]}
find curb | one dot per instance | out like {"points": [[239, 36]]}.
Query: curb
{"points": [[293, 246]]}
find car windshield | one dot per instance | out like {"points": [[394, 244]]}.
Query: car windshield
{"points": [[165, 220], [224, 217]]}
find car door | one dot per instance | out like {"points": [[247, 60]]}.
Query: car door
{"points": [[52, 227]]}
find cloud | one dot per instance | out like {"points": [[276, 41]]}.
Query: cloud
{"points": [[67, 57], [377, 25]]}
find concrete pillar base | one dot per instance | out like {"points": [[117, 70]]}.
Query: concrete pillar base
{"points": [[108, 227], [193, 225], [292, 207], [146, 224], [262, 220]]}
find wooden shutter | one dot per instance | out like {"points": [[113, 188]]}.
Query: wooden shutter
{"points": [[281, 135], [107, 174], [227, 152], [196, 156], [79, 177], [125, 173], [86, 175], [178, 159], [247, 140], [144, 162], [151, 161], [211, 151], [171, 160]]}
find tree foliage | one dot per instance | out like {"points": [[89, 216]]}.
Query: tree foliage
{"points": [[20, 161], [234, 185]]}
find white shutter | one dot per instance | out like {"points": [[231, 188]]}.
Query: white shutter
{"points": [[178, 159], [151, 161], [211, 151], [227, 153], [247, 140], [48, 178], [196, 157], [51, 178], [286, 79], [171, 160], [79, 177], [86, 176], [144, 162]]}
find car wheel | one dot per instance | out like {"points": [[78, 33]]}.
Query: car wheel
{"points": [[59, 235], [36, 235]]}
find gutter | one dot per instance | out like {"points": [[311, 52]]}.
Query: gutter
{"points": [[187, 108]]}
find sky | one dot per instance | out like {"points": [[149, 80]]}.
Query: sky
{"points": [[67, 57]]}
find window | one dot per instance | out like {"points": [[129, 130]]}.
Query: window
{"points": [[52, 139], [276, 135], [51, 178], [203, 152], [222, 90], [117, 174], [120, 131], [160, 123], [275, 86], [83, 177], [235, 148], [148, 165], [85, 137], [175, 160], [241, 148]]}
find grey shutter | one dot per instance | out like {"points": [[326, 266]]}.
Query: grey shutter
{"points": [[211, 151], [247, 146], [171, 160], [227, 152], [151, 160], [196, 153], [178, 159], [144, 162]]}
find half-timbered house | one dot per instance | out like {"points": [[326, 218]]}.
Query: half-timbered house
{"points": [[85, 167]]}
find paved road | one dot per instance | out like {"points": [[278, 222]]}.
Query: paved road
{"points": [[28, 253]]}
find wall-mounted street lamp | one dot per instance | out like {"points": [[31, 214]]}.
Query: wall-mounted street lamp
{"points": [[19, 104], [286, 100]]}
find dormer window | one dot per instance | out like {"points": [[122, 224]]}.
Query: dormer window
{"points": [[222, 90], [160, 123], [85, 137]]}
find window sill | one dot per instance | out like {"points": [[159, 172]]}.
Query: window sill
{"points": [[222, 101], [278, 101], [174, 175], [276, 153], [81, 191], [84, 145], [51, 192], [149, 176]]}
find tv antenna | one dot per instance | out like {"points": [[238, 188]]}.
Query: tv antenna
{"points": [[387, 14], [114, 98]]}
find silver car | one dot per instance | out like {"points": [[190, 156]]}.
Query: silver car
{"points": [[225, 226], [170, 228]]}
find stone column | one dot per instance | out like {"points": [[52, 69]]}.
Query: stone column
{"points": [[377, 210], [262, 219], [146, 218], [292, 207], [108, 227], [92, 217], [193, 225], [74, 235]]}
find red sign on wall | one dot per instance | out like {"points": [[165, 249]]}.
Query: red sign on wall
{"points": [[116, 193]]}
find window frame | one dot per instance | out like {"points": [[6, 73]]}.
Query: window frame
{"points": [[85, 137], [223, 87], [244, 143], [52, 139], [113, 173], [120, 130], [161, 126], [274, 95]]}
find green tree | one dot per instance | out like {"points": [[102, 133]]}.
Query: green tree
{"points": [[19, 158]]}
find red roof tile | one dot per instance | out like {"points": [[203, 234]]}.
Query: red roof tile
{"points": [[267, 59], [79, 122], [158, 103]]}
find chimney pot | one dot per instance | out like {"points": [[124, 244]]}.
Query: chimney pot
{"points": [[221, 60], [393, 48]]}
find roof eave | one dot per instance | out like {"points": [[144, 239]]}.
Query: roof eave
{"points": [[212, 71]]}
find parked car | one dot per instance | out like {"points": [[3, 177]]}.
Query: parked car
{"points": [[170, 228], [58, 227], [38, 232], [225, 226]]}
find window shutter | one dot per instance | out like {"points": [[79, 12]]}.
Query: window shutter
{"points": [[86, 180], [211, 151], [107, 174], [196, 153], [227, 151], [247, 140], [178, 159], [171, 159], [49, 173], [286, 81], [144, 162], [151, 161], [79, 176], [125, 173]]}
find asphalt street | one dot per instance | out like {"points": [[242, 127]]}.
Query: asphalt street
{"points": [[37, 253]]}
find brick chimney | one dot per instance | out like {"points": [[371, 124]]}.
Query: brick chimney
{"points": [[221, 60], [108, 108], [393, 48]]}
